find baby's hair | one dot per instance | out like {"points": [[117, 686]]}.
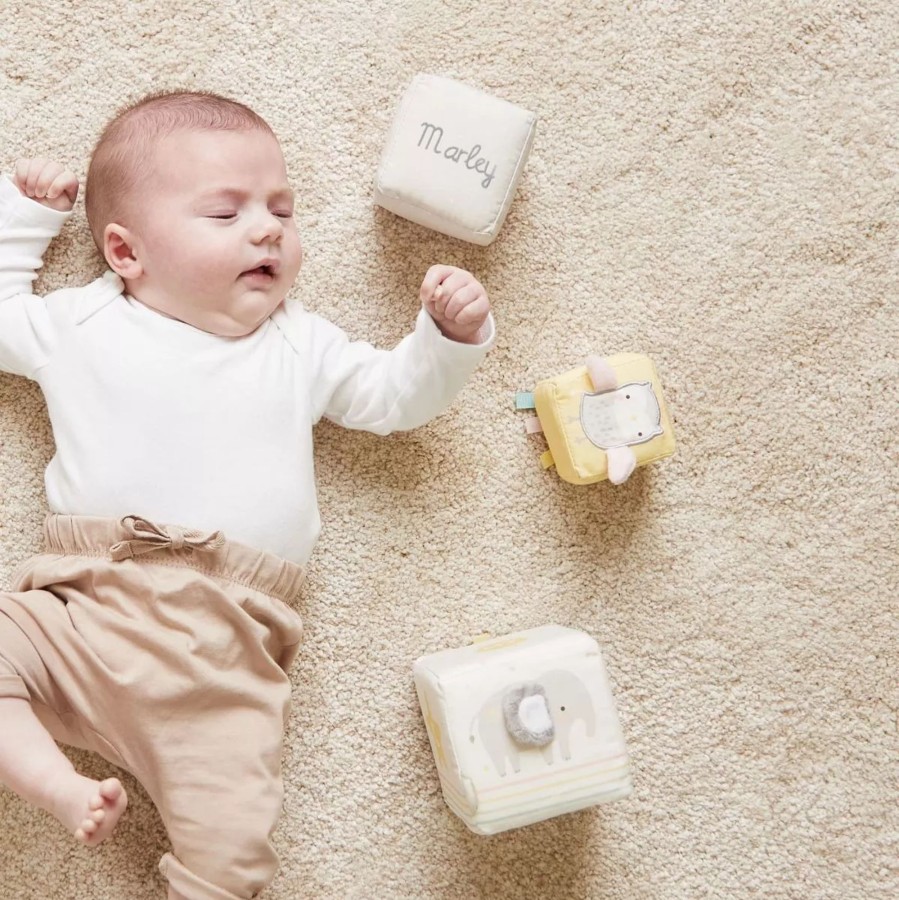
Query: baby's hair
{"points": [[119, 161]]}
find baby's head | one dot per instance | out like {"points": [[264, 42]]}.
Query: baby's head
{"points": [[188, 200]]}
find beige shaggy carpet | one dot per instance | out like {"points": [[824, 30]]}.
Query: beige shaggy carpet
{"points": [[714, 184]]}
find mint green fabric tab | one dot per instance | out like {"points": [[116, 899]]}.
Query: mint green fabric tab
{"points": [[524, 400]]}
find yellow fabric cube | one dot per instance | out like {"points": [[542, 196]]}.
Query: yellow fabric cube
{"points": [[575, 430]]}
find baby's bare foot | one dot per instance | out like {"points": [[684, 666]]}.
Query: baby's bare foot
{"points": [[107, 802], [88, 808]]}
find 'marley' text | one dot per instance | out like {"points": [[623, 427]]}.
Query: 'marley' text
{"points": [[457, 154]]}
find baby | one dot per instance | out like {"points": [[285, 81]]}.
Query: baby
{"points": [[157, 625]]}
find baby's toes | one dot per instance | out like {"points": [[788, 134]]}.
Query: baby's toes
{"points": [[86, 829], [111, 789]]}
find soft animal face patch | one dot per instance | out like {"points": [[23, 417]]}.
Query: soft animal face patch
{"points": [[626, 415], [601, 420]]}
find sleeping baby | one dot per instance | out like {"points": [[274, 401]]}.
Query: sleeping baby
{"points": [[158, 623]]}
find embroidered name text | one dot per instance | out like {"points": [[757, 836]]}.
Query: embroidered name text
{"points": [[435, 133]]}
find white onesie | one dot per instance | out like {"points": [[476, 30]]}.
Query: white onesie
{"points": [[155, 417]]}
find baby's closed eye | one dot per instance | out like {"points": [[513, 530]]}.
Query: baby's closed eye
{"points": [[281, 214]]}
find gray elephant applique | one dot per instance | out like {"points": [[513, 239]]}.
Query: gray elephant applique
{"points": [[533, 714]]}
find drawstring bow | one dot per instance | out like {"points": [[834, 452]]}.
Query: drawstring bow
{"points": [[149, 537]]}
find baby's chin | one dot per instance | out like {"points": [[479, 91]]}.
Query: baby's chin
{"points": [[244, 322]]}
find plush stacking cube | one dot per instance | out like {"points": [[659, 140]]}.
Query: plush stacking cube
{"points": [[523, 727], [581, 424], [453, 158]]}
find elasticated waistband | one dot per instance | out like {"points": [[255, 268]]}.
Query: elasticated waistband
{"points": [[134, 538]]}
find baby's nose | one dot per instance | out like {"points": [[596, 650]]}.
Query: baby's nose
{"points": [[269, 227]]}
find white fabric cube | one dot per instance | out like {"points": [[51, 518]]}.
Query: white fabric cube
{"points": [[453, 158], [495, 776]]}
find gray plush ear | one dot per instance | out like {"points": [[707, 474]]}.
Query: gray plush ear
{"points": [[526, 714]]}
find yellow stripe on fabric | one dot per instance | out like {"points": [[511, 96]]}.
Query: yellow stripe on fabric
{"points": [[611, 762], [550, 790], [511, 797]]}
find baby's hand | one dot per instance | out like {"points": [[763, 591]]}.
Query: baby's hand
{"points": [[456, 301], [47, 183]]}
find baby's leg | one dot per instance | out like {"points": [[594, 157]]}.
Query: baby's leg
{"points": [[31, 764], [218, 787]]}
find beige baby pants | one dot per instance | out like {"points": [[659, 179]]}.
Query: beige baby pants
{"points": [[165, 651]]}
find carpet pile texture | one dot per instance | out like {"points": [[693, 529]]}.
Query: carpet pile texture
{"points": [[712, 184]]}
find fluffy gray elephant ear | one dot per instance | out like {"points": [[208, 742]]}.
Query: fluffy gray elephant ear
{"points": [[527, 717]]}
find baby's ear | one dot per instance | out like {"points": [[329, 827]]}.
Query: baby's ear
{"points": [[118, 248]]}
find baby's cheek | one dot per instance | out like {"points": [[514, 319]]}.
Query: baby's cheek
{"points": [[293, 252], [214, 267]]}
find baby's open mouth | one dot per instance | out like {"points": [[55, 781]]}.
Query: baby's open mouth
{"points": [[260, 270]]}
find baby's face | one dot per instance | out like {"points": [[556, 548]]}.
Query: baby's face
{"points": [[216, 208]]}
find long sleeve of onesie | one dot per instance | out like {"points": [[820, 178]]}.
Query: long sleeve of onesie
{"points": [[359, 386], [27, 330]]}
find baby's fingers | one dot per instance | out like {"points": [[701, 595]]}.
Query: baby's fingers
{"points": [[23, 170], [476, 311], [35, 173], [64, 183], [45, 177], [46, 182], [455, 304], [431, 287]]}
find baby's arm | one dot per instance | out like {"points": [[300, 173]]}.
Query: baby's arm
{"points": [[34, 205], [359, 386]]}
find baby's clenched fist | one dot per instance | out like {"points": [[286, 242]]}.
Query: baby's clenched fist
{"points": [[47, 183], [456, 301]]}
